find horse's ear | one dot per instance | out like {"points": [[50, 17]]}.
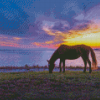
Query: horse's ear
{"points": [[48, 61]]}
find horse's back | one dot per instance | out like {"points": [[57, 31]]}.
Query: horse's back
{"points": [[65, 47], [62, 49], [71, 49], [82, 46]]}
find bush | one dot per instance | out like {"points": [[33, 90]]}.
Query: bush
{"points": [[27, 67]]}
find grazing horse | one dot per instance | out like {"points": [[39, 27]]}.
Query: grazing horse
{"points": [[72, 52]]}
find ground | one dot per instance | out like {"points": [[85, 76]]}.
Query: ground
{"points": [[56, 86]]}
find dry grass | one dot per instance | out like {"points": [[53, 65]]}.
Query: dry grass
{"points": [[56, 86]]}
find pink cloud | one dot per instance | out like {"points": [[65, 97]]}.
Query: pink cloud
{"points": [[10, 44], [48, 44]]}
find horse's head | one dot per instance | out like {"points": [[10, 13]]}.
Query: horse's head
{"points": [[51, 66]]}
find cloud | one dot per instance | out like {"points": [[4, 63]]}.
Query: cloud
{"points": [[48, 44], [46, 27], [17, 42], [81, 25], [36, 29], [61, 26], [80, 17], [71, 5], [50, 28], [93, 14], [9, 41], [90, 22], [38, 33]]}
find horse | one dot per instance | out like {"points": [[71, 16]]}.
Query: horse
{"points": [[72, 52]]}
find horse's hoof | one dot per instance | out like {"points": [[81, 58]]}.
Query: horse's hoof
{"points": [[90, 71]]}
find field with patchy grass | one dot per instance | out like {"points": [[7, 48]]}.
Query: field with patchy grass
{"points": [[71, 85]]}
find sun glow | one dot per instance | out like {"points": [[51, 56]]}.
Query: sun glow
{"points": [[92, 40]]}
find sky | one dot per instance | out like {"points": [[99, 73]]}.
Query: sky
{"points": [[46, 24]]}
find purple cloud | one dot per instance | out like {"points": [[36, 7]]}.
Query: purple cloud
{"points": [[61, 26]]}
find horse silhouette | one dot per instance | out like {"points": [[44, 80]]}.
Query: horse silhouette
{"points": [[72, 52]]}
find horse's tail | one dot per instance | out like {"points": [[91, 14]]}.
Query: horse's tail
{"points": [[94, 61]]}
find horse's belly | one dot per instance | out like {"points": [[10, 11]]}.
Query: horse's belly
{"points": [[72, 56]]}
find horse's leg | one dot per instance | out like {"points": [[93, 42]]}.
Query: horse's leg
{"points": [[64, 65], [60, 65], [89, 62], [85, 63]]}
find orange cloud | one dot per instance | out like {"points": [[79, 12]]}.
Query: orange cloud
{"points": [[62, 36], [17, 38], [49, 42], [36, 43], [89, 35], [48, 31]]}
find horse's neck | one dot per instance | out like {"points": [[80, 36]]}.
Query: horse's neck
{"points": [[54, 57]]}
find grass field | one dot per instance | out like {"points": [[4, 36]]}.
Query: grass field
{"points": [[71, 85]]}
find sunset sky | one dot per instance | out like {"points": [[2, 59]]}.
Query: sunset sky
{"points": [[37, 24]]}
